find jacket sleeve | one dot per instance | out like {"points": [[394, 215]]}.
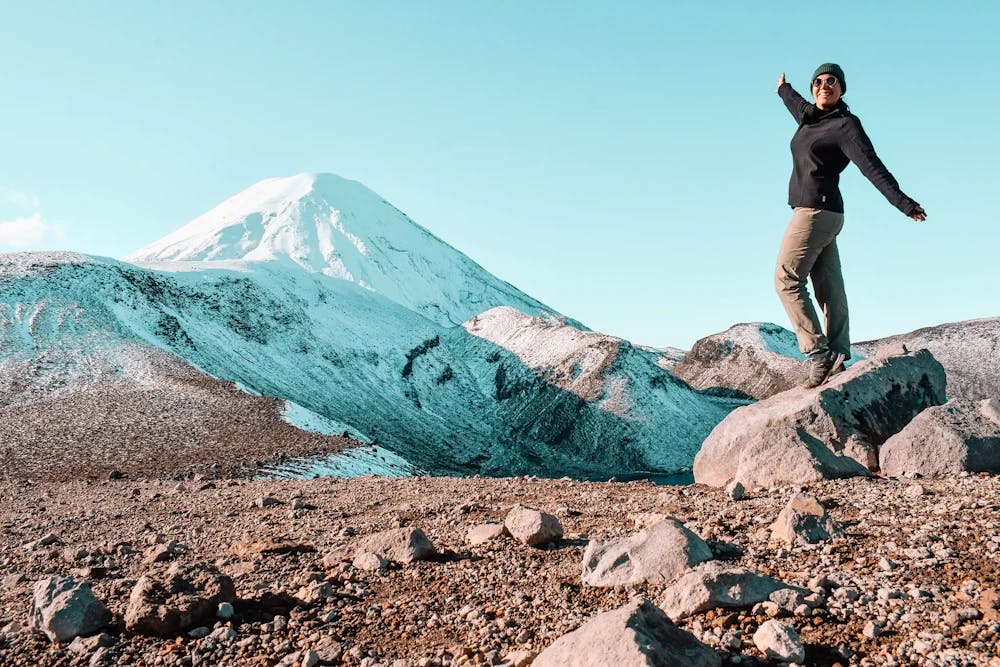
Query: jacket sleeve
{"points": [[858, 148], [797, 105]]}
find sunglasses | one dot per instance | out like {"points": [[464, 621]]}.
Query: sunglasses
{"points": [[830, 81]]}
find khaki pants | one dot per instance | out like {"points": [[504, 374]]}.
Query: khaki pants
{"points": [[809, 250]]}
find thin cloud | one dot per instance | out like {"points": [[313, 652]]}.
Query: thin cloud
{"points": [[27, 231]]}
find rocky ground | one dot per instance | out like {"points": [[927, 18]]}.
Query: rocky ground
{"points": [[912, 581]]}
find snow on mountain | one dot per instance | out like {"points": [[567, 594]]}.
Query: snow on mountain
{"points": [[84, 392], [330, 225], [446, 400]]}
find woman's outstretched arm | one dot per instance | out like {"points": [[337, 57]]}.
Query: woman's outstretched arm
{"points": [[858, 148], [797, 105]]}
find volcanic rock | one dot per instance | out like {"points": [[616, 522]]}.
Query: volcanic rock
{"points": [[485, 532], [969, 352], [758, 359], [399, 545], [713, 585], [961, 435], [63, 608], [657, 553], [803, 521], [166, 604], [777, 640], [532, 527], [805, 435], [637, 633]]}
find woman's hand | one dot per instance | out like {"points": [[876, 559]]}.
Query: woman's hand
{"points": [[781, 80], [918, 214]]}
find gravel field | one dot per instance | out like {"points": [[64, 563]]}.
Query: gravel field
{"points": [[913, 580]]}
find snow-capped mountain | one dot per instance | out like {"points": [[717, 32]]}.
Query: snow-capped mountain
{"points": [[330, 225]]}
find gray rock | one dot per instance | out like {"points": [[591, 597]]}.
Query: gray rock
{"points": [[161, 552], [758, 359], [485, 532], [331, 652], [735, 490], [64, 608], [532, 527], [168, 603], [960, 436], [366, 560], [713, 585], [84, 645], [803, 521], [399, 545], [657, 553], [806, 435], [102, 656], [777, 640], [788, 599], [969, 352], [637, 633]]}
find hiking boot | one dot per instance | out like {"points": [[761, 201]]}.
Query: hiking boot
{"points": [[821, 365]]}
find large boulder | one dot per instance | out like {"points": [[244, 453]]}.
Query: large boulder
{"points": [[714, 585], [969, 352], [961, 435], [637, 634], [657, 553], [64, 608], [758, 359], [164, 604], [399, 545], [807, 435]]}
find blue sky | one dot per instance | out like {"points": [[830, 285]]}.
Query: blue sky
{"points": [[626, 163]]}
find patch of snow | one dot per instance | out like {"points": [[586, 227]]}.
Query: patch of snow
{"points": [[307, 420], [354, 462]]}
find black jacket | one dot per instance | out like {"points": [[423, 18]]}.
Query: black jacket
{"points": [[821, 149]]}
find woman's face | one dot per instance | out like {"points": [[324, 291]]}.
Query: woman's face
{"points": [[826, 94]]}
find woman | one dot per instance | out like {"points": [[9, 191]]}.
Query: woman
{"points": [[829, 136]]}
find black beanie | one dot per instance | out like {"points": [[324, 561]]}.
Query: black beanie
{"points": [[834, 69]]}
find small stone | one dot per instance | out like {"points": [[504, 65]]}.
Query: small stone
{"points": [[266, 501], [225, 611], [369, 561], [159, 553], [779, 641], [871, 631], [399, 545], [485, 532], [330, 653], [309, 659], [735, 490], [199, 632], [914, 491], [532, 527]]}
